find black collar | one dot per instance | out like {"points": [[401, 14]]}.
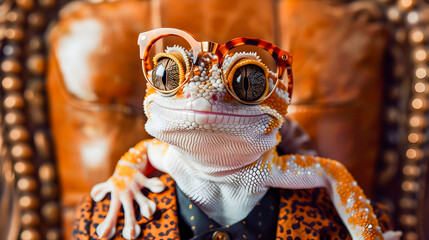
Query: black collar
{"points": [[261, 223]]}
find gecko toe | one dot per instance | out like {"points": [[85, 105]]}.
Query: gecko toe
{"points": [[104, 231], [131, 232], [155, 185]]}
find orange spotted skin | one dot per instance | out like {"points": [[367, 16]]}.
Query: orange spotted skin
{"points": [[280, 105], [276, 102], [347, 191], [119, 183], [303, 214], [309, 214], [346, 188], [133, 157]]}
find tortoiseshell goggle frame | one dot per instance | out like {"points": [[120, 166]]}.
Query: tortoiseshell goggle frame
{"points": [[282, 58]]}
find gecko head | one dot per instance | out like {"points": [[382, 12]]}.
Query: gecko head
{"points": [[209, 115]]}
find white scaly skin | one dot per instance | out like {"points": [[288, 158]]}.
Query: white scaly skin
{"points": [[221, 154]]}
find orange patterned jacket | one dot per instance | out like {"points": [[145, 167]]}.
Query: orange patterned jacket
{"points": [[303, 214]]}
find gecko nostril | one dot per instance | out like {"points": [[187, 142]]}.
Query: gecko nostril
{"points": [[215, 97], [188, 95]]}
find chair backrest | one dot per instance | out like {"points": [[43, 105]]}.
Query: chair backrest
{"points": [[356, 94]]}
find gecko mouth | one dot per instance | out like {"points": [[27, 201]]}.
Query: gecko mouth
{"points": [[216, 117]]}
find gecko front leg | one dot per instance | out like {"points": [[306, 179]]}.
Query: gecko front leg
{"points": [[125, 186], [297, 172]]}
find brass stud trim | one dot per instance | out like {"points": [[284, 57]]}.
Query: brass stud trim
{"points": [[18, 133], [11, 83], [30, 233], [23, 167], [30, 218], [28, 202], [14, 118], [27, 184], [21, 150], [11, 66], [13, 101], [46, 172]]}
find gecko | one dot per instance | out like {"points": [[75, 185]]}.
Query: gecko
{"points": [[215, 127]]}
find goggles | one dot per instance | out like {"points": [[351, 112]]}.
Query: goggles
{"points": [[234, 75]]}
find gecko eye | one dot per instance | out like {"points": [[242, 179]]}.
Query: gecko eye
{"points": [[165, 75], [248, 80], [169, 71]]}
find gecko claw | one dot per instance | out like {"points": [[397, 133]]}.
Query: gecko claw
{"points": [[104, 231], [148, 209], [131, 232], [153, 184], [99, 191]]}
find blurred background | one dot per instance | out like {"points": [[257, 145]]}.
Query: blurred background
{"points": [[72, 91]]}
